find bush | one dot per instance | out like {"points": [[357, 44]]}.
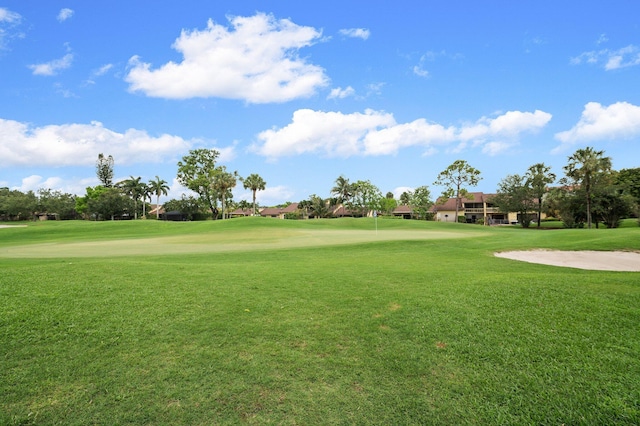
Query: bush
{"points": [[293, 215]]}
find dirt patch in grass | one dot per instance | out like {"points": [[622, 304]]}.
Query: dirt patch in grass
{"points": [[587, 259], [220, 242]]}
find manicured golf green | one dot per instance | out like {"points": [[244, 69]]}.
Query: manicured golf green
{"points": [[266, 321]]}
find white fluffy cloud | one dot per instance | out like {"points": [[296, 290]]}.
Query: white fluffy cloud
{"points": [[616, 121], [397, 136], [68, 186], [377, 133], [328, 133], [64, 14], [269, 196], [610, 59], [256, 61], [362, 33], [79, 144], [507, 125]]}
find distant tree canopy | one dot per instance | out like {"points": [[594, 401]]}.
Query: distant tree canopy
{"points": [[108, 203], [17, 205], [538, 179], [589, 192], [629, 181], [420, 202], [255, 183], [196, 171], [222, 183], [365, 197], [104, 170], [587, 169], [515, 195], [454, 178], [134, 188], [158, 187]]}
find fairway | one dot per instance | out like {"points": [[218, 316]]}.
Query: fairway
{"points": [[266, 321], [266, 239]]}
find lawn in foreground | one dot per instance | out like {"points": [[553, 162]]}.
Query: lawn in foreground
{"points": [[427, 331]]}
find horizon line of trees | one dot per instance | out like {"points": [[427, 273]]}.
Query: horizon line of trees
{"points": [[589, 193]]}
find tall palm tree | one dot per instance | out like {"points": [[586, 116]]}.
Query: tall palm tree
{"points": [[158, 187], [223, 183], [255, 183], [144, 194], [133, 188], [584, 168], [537, 178]]}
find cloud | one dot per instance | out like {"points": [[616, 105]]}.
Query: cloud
{"points": [[419, 71], [328, 133], [362, 33], [496, 147], [79, 144], [52, 67], [9, 17], [340, 93], [509, 124], [256, 61], [628, 56], [75, 186], [66, 93], [102, 70], [616, 121], [400, 190], [397, 136], [98, 73], [375, 88], [602, 39], [335, 134], [8, 21], [271, 195], [64, 14]]}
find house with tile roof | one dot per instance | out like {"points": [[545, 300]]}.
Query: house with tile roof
{"points": [[475, 207], [279, 212]]}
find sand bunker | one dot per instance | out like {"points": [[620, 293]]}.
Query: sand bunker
{"points": [[588, 259]]}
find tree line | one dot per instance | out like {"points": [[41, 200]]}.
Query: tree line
{"points": [[589, 192], [197, 171]]}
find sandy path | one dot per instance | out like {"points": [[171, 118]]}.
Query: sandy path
{"points": [[588, 259]]}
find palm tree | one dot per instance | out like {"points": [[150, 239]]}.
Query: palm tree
{"points": [[537, 178], [133, 188], [255, 183], [584, 168], [319, 206], [144, 194], [343, 189], [223, 182], [158, 187]]}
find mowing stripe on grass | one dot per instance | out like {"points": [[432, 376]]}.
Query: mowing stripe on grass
{"points": [[266, 239]]}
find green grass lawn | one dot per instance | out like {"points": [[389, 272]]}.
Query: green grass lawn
{"points": [[260, 321]]}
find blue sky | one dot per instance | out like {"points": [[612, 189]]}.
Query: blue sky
{"points": [[303, 92]]}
